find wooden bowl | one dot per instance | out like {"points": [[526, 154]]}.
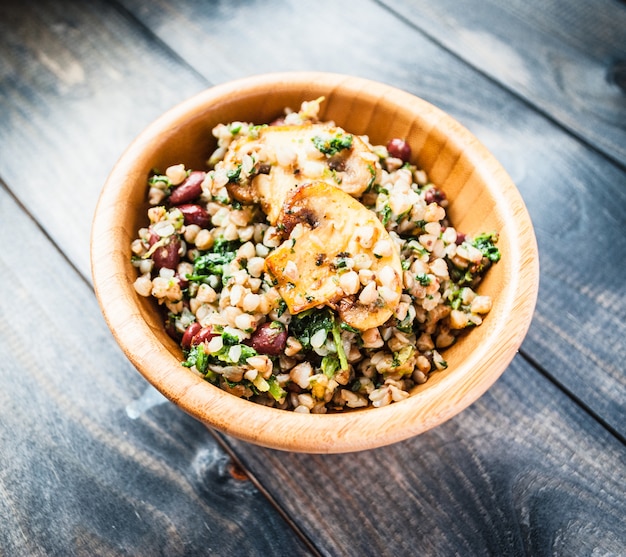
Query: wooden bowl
{"points": [[482, 197]]}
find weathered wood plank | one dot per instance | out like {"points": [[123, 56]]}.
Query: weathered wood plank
{"points": [[79, 80], [565, 58], [533, 464], [92, 462], [577, 198], [523, 471]]}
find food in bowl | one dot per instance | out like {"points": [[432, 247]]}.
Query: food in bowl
{"points": [[307, 269]]}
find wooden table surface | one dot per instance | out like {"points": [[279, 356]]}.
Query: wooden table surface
{"points": [[93, 461]]}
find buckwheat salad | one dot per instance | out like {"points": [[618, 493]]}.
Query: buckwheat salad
{"points": [[307, 269]]}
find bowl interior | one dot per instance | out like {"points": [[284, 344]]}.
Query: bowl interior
{"points": [[482, 198]]}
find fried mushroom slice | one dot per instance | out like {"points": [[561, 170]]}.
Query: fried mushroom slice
{"points": [[328, 235], [264, 168]]}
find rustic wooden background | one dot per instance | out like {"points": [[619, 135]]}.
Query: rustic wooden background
{"points": [[93, 461]]}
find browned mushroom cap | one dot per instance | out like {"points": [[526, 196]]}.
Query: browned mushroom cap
{"points": [[332, 236]]}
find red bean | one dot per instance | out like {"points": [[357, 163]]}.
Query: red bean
{"points": [[399, 149], [153, 238], [182, 280], [189, 333], [167, 256], [195, 214], [205, 333], [170, 329], [294, 388], [269, 338], [190, 189], [460, 238], [434, 195]]}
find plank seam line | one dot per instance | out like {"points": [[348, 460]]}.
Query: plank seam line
{"points": [[48, 237], [526, 101], [578, 401], [222, 441], [147, 31]]}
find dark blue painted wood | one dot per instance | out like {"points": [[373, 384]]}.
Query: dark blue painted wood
{"points": [[92, 461]]}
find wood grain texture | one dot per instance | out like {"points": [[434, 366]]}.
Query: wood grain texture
{"points": [[92, 461], [561, 57], [78, 83], [576, 198], [521, 472], [525, 468]]}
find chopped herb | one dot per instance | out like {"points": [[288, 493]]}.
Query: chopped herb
{"points": [[385, 215], [248, 384], [305, 324], [349, 328], [282, 307], [455, 299], [332, 146], [372, 181], [423, 279], [222, 245], [333, 175], [418, 248], [215, 261], [330, 364], [486, 244], [460, 276], [402, 356], [197, 357], [223, 356], [254, 131], [246, 352], [159, 179], [223, 199], [341, 261], [229, 339], [406, 325], [343, 360], [210, 264], [277, 392], [233, 175]]}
